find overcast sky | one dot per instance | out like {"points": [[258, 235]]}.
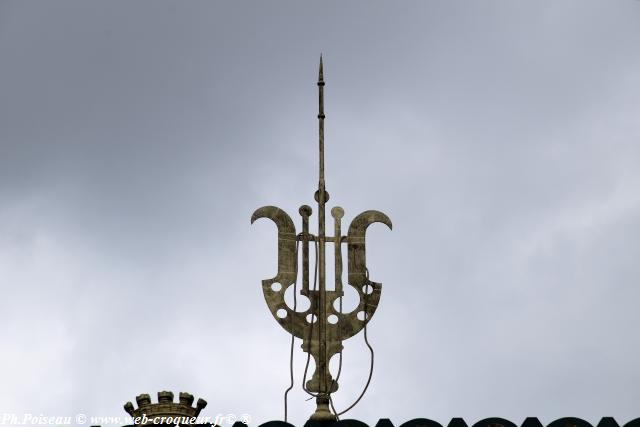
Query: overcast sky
{"points": [[501, 137]]}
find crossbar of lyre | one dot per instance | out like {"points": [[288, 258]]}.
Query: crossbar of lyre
{"points": [[312, 238]]}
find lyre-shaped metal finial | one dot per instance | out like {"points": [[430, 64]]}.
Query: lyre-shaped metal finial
{"points": [[320, 337]]}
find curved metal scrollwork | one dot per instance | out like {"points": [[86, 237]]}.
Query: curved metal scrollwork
{"points": [[302, 323]]}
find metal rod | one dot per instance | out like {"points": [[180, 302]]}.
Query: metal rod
{"points": [[305, 212], [337, 213], [322, 309]]}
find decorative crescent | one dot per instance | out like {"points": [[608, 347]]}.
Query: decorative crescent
{"points": [[286, 276], [286, 240], [357, 251], [358, 260]]}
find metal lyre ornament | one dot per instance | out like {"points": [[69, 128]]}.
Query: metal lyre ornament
{"points": [[321, 337]]}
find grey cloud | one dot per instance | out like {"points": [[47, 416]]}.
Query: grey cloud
{"points": [[501, 138]]}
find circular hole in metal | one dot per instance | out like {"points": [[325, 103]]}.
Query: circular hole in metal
{"points": [[367, 289], [282, 313], [350, 300], [311, 318], [333, 319], [302, 302], [275, 287], [361, 315]]}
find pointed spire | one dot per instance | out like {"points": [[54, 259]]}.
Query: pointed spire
{"points": [[320, 91], [321, 125]]}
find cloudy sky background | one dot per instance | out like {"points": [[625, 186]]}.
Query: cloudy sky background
{"points": [[501, 137]]}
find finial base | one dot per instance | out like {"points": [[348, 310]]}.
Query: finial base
{"points": [[323, 412]]}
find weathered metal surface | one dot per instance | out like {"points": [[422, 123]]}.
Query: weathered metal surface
{"points": [[321, 337], [156, 413]]}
